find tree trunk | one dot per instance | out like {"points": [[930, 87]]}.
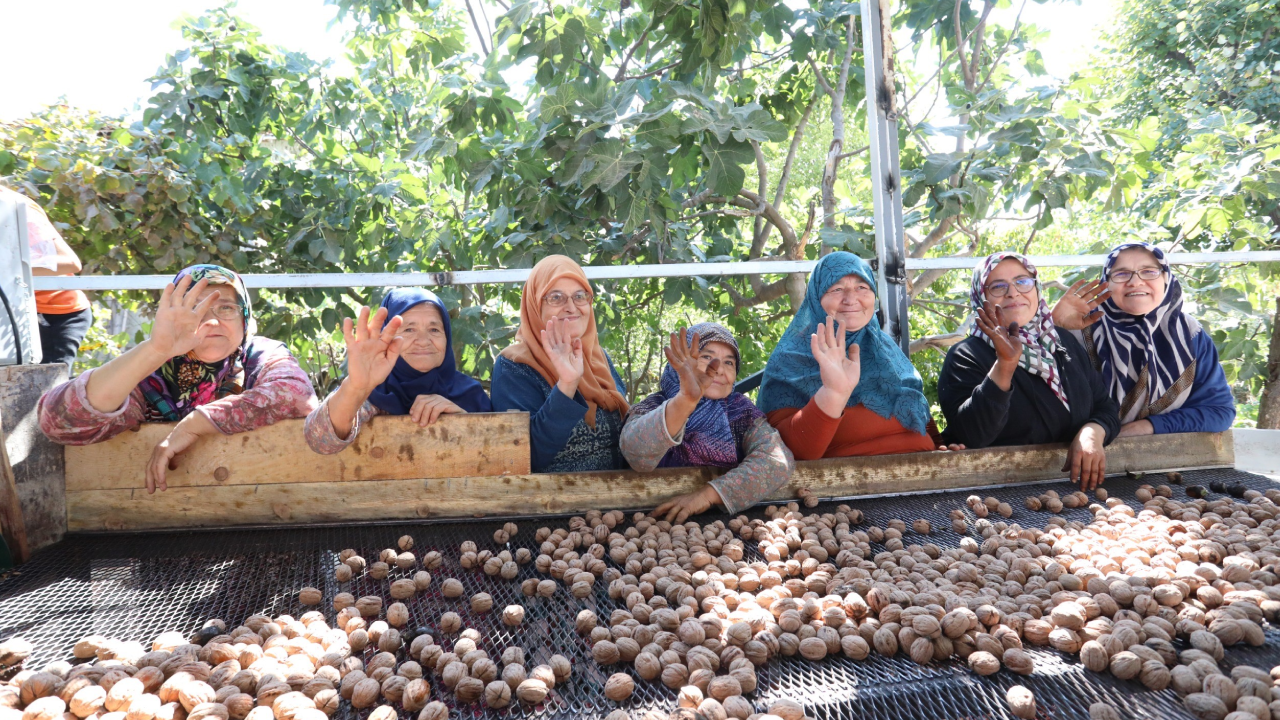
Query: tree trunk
{"points": [[1269, 407]]}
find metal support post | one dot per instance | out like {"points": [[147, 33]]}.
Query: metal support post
{"points": [[882, 134]]}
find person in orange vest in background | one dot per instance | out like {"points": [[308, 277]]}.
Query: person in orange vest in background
{"points": [[65, 316]]}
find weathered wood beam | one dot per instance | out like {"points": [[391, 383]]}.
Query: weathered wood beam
{"points": [[340, 501]]}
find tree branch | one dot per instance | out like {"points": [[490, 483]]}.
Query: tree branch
{"points": [[822, 80], [476, 24], [651, 73], [622, 68]]}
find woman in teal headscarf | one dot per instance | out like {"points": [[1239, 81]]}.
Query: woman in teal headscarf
{"points": [[837, 385]]}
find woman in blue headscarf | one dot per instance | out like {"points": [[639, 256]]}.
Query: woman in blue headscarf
{"points": [[399, 362], [1158, 363], [837, 385]]}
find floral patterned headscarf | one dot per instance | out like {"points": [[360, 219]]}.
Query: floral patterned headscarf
{"points": [[184, 383]]}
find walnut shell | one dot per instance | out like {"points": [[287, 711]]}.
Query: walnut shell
{"points": [[88, 701], [1204, 706], [310, 596], [468, 690], [49, 707], [123, 693], [481, 603], [605, 653], [192, 694], [561, 666], [531, 692], [738, 707], [983, 663], [497, 694], [1103, 711], [404, 588], [450, 622], [147, 707], [452, 588], [787, 710], [1022, 703], [723, 687], [585, 622], [619, 687], [212, 711], [365, 693], [369, 605], [674, 675], [512, 615]]}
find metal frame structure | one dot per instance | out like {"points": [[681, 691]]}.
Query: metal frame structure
{"points": [[280, 281], [886, 186]]}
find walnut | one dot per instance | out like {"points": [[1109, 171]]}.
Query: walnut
{"points": [[383, 712], [983, 663], [1204, 706], [147, 707], [481, 603], [193, 694], [238, 705], [1032, 503], [561, 666], [585, 623], [922, 526], [738, 707], [513, 615], [379, 570], [813, 648], [435, 710], [648, 666], [468, 689], [513, 675], [787, 710], [369, 605], [689, 697], [545, 674], [405, 542], [123, 693], [1103, 711], [605, 653], [1017, 660], [1094, 656], [50, 707], [450, 622], [389, 640], [365, 693], [38, 685], [497, 694], [723, 687], [674, 675], [531, 692], [501, 537], [452, 588], [211, 711], [453, 673], [547, 588], [310, 596], [619, 687], [1125, 665], [398, 614], [88, 701], [404, 588], [1022, 703]]}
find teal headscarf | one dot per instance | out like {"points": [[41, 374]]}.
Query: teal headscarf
{"points": [[889, 386]]}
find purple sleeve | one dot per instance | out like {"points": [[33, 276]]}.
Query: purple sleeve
{"points": [[67, 418], [320, 434]]}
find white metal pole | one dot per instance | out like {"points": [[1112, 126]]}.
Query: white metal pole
{"points": [[886, 190]]}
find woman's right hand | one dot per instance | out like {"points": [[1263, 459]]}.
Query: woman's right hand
{"points": [[840, 368], [1008, 344], [371, 353], [179, 323], [565, 353]]}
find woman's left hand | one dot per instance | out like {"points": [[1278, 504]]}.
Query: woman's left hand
{"points": [[679, 509], [164, 456], [953, 447], [1077, 309], [1137, 427], [428, 408]]}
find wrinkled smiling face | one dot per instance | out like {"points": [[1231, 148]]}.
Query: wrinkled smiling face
{"points": [[575, 307], [1019, 303], [424, 338], [851, 301], [1135, 295], [725, 375], [225, 319]]}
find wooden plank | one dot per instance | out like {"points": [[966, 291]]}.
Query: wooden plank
{"points": [[37, 462], [320, 502], [388, 448], [12, 526]]}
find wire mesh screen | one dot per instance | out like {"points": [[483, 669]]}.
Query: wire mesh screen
{"points": [[135, 586]]}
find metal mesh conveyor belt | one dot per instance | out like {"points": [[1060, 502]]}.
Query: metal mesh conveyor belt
{"points": [[134, 586]]}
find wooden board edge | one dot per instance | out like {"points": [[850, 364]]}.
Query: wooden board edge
{"points": [[533, 494]]}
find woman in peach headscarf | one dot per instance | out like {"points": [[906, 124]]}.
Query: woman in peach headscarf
{"points": [[558, 373]]}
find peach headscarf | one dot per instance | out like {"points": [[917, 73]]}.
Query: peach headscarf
{"points": [[597, 384]]}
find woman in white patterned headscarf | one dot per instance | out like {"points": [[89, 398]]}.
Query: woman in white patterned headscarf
{"points": [[1158, 363], [1017, 381]]}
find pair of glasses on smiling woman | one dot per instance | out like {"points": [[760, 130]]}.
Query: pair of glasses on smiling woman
{"points": [[1026, 283]]}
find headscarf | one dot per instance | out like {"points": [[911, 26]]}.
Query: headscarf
{"points": [[396, 394], [1039, 337], [597, 385], [184, 383], [1151, 353], [715, 432], [889, 385]]}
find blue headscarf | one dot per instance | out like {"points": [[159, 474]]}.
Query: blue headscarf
{"points": [[1158, 344], [889, 386], [395, 396]]}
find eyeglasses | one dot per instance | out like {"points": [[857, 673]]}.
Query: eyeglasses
{"points": [[1121, 277], [557, 299], [227, 311], [1024, 285]]}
